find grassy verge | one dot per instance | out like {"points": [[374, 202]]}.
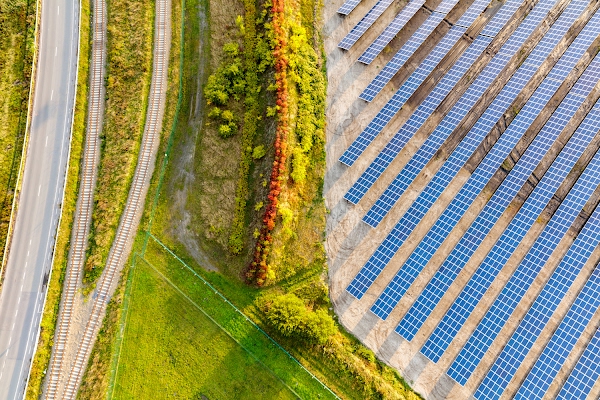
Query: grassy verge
{"points": [[17, 48], [129, 67], [61, 251]]}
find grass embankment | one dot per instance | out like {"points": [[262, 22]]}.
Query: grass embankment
{"points": [[129, 67], [200, 232], [17, 48], [61, 250]]}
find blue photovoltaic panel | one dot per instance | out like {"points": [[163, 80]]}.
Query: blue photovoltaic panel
{"points": [[560, 345], [391, 195], [495, 319], [364, 24], [586, 371], [348, 6], [399, 98], [438, 233], [394, 65], [435, 237], [446, 84], [391, 31], [413, 44], [417, 77], [427, 107]]}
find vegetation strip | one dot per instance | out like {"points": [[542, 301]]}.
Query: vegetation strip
{"points": [[128, 75], [18, 27]]}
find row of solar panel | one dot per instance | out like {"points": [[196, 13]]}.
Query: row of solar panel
{"points": [[461, 109], [412, 217], [586, 372], [416, 78]]}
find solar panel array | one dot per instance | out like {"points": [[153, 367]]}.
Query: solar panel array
{"points": [[409, 48], [585, 374], [560, 345], [348, 6], [444, 225], [474, 92], [468, 193], [408, 88], [562, 191], [538, 255], [391, 31], [430, 104], [364, 24]]}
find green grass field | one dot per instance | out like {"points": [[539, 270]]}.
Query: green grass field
{"points": [[171, 349], [179, 329]]}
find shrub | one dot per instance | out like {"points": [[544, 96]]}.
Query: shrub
{"points": [[225, 131], [289, 315], [259, 152]]}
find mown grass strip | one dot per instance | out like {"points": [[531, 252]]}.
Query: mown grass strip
{"points": [[166, 327], [61, 249]]}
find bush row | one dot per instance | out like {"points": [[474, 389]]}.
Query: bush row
{"points": [[258, 270]]}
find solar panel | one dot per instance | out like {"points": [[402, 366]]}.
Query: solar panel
{"points": [[391, 195], [348, 6], [428, 106], [586, 371], [364, 24], [417, 77], [396, 289], [456, 209], [392, 30], [560, 345], [489, 269], [494, 320]]}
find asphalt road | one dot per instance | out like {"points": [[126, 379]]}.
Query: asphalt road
{"points": [[30, 258]]}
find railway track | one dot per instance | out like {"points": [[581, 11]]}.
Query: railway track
{"points": [[83, 213], [133, 208]]}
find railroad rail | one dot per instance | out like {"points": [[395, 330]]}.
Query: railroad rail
{"points": [[83, 212], [135, 202], [132, 213]]}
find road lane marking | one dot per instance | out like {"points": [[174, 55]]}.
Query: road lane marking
{"points": [[39, 190], [51, 94], [55, 51], [58, 10], [46, 140]]}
